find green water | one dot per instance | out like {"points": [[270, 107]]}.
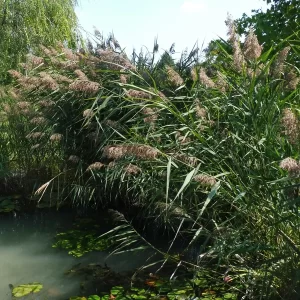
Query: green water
{"points": [[26, 256]]}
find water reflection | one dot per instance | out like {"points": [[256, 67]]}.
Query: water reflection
{"points": [[26, 256]]}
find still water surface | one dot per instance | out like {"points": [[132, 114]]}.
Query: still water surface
{"points": [[26, 256]]}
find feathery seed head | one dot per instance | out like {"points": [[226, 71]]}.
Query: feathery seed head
{"points": [[56, 137]]}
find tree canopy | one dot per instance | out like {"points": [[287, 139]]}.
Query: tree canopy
{"points": [[280, 21], [25, 24]]}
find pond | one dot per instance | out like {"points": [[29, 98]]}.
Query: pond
{"points": [[26, 255]]}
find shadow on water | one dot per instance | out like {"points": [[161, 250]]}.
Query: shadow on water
{"points": [[26, 256]]}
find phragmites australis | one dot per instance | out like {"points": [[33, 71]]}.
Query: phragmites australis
{"points": [[46, 50], [35, 135], [138, 94], [221, 83], [74, 159], [115, 60], [88, 113], [56, 137], [189, 160], [23, 105], [151, 115], [68, 53], [290, 124], [238, 57], [85, 86], [292, 80], [15, 74], [46, 103], [123, 78], [194, 74], [205, 180], [182, 139], [35, 60], [14, 93], [205, 80], [62, 78], [80, 75], [111, 123], [31, 83], [132, 169], [95, 166], [278, 66], [139, 151], [174, 77], [200, 110], [48, 82], [36, 146], [252, 49], [290, 165], [38, 121]]}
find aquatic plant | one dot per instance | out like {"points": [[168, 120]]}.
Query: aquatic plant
{"points": [[26, 289], [197, 159]]}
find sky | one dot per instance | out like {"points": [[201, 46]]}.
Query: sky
{"points": [[136, 23]]}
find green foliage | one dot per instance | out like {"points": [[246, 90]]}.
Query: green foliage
{"points": [[182, 291], [200, 161], [78, 242], [27, 24], [8, 204], [26, 289], [276, 24]]}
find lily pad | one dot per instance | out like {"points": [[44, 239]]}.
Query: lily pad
{"points": [[78, 242], [26, 289], [93, 297], [8, 205]]}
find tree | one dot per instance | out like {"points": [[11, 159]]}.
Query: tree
{"points": [[280, 21], [25, 24]]}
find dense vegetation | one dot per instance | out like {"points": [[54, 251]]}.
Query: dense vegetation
{"points": [[26, 24], [203, 153]]}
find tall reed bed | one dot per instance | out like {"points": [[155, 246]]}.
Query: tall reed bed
{"points": [[207, 159]]}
